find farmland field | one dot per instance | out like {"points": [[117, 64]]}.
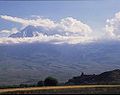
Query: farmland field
{"points": [[81, 89]]}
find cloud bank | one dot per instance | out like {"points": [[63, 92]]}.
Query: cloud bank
{"points": [[67, 24], [56, 39], [67, 30], [113, 26]]}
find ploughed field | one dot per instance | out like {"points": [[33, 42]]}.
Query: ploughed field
{"points": [[81, 89]]}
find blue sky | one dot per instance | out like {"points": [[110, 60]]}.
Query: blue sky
{"points": [[92, 12]]}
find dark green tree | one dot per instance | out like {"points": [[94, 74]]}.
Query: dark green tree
{"points": [[50, 81]]}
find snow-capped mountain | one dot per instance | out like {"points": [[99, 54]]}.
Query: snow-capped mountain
{"points": [[20, 63], [29, 31], [34, 31]]}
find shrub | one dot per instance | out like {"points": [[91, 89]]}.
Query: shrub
{"points": [[40, 83], [50, 81]]}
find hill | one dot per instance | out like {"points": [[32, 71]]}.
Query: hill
{"points": [[109, 77]]}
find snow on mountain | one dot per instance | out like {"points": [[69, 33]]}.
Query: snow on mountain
{"points": [[29, 31]]}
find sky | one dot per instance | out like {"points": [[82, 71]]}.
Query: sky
{"points": [[93, 13]]}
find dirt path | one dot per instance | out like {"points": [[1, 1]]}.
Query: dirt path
{"points": [[55, 87]]}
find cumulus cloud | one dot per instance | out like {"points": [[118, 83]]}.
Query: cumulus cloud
{"points": [[113, 26], [68, 24], [67, 30], [72, 26]]}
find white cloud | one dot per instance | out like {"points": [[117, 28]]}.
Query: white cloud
{"points": [[6, 33], [73, 25], [68, 24], [113, 26], [37, 22], [55, 39], [67, 30], [36, 16]]}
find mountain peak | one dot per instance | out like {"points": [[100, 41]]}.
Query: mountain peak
{"points": [[28, 31]]}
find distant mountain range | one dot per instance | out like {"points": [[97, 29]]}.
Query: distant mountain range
{"points": [[108, 77], [21, 63]]}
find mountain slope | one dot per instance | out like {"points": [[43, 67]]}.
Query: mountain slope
{"points": [[34, 31], [108, 77], [29, 31]]}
